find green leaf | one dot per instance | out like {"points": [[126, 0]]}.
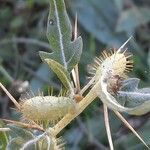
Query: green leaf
{"points": [[3, 140], [131, 95], [61, 72], [59, 34], [132, 18], [131, 142], [113, 103], [17, 131], [17, 143], [19, 137], [136, 101], [3, 137], [99, 17]]}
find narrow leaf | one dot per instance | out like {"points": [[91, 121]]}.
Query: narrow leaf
{"points": [[16, 143], [3, 136], [61, 72], [20, 132], [59, 34], [98, 20]]}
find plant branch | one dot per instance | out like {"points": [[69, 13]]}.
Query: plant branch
{"points": [[130, 127], [79, 108], [31, 126], [33, 141], [87, 86], [10, 96], [107, 125]]}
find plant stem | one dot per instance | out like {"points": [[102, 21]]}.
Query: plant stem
{"points": [[87, 86], [10, 96], [130, 127], [26, 41], [107, 125], [25, 125], [79, 108]]}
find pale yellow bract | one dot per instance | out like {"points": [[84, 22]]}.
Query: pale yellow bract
{"points": [[111, 63]]}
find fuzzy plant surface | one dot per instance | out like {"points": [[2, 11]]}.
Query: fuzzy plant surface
{"points": [[44, 117], [66, 52]]}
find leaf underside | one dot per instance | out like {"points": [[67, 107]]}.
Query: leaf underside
{"points": [[138, 100], [19, 137], [131, 96]]}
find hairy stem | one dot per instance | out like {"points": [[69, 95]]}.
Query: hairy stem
{"points": [[79, 108], [130, 127], [25, 125], [87, 86], [10, 96], [107, 125]]}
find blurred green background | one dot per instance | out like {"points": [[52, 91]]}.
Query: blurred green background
{"points": [[103, 24]]}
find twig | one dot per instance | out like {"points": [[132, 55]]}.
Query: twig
{"points": [[10, 96], [81, 106], [76, 67], [130, 127], [87, 86], [75, 71], [24, 124], [107, 125]]}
